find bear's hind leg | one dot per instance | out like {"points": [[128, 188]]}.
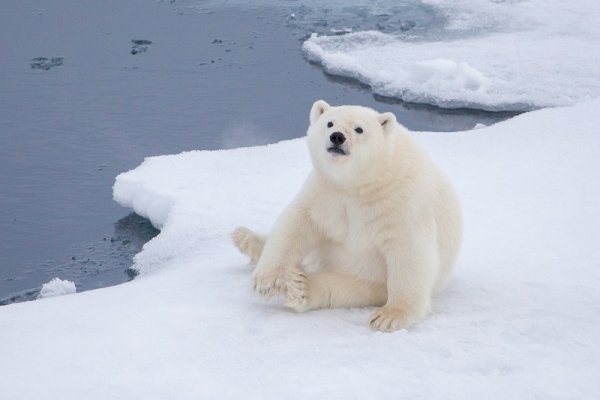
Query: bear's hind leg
{"points": [[249, 243], [330, 289]]}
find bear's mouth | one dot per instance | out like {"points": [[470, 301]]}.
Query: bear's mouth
{"points": [[336, 150]]}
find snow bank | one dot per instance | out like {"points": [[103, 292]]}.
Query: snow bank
{"points": [[57, 287], [520, 318], [493, 55], [195, 197]]}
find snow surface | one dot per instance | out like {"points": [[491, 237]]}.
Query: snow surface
{"points": [[520, 318], [57, 287], [493, 55]]}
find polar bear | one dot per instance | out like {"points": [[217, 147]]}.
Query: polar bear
{"points": [[375, 224]]}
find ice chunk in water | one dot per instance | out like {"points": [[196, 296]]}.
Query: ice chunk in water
{"points": [[46, 63], [139, 46], [57, 287]]}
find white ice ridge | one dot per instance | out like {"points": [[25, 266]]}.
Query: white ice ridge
{"points": [[57, 287], [493, 55]]}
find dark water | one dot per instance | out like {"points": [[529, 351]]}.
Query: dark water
{"points": [[88, 89]]}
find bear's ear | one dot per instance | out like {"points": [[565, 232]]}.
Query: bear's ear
{"points": [[317, 109], [387, 121]]}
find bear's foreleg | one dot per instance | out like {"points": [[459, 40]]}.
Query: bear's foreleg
{"points": [[291, 239], [411, 271]]}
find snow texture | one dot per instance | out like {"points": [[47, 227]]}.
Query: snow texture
{"points": [[520, 318], [493, 55], [57, 287]]}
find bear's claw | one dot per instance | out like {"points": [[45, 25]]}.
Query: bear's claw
{"points": [[268, 283], [390, 319], [296, 294]]}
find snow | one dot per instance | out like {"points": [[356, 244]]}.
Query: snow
{"points": [[493, 55], [520, 318], [57, 287]]}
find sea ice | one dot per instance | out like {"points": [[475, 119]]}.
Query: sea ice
{"points": [[46, 63], [519, 319], [490, 55], [140, 46], [57, 287]]}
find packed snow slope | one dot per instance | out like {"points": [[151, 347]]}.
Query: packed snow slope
{"points": [[520, 318], [494, 55]]}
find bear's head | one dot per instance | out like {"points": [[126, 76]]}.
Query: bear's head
{"points": [[350, 145]]}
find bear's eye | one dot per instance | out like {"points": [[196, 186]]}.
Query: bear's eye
{"points": [[329, 124], [358, 130]]}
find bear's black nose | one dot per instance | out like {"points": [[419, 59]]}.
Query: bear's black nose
{"points": [[337, 138]]}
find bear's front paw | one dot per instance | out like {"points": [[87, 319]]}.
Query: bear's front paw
{"points": [[268, 282], [390, 319], [296, 289]]}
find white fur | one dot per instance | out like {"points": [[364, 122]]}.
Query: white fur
{"points": [[379, 226]]}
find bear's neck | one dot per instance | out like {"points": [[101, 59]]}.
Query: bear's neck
{"points": [[395, 171]]}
